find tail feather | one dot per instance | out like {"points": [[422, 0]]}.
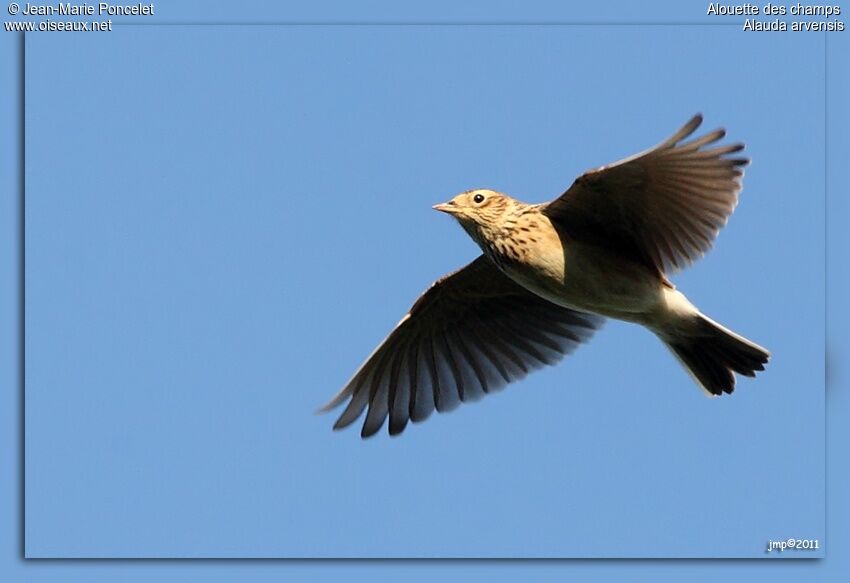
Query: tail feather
{"points": [[712, 353]]}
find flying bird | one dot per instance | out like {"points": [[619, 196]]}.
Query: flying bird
{"points": [[551, 273]]}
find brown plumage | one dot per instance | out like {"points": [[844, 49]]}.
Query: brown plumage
{"points": [[548, 276]]}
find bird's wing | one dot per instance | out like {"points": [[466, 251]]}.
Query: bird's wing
{"points": [[662, 207], [470, 333]]}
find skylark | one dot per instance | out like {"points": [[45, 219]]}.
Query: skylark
{"points": [[549, 275]]}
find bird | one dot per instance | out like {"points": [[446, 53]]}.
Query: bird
{"points": [[551, 273]]}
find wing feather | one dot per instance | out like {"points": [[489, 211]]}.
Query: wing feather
{"points": [[663, 207], [472, 332]]}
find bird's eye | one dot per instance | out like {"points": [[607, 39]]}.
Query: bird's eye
{"points": [[478, 198]]}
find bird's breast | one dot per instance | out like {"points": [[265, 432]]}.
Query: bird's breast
{"points": [[580, 276]]}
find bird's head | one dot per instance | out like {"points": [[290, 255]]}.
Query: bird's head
{"points": [[482, 213]]}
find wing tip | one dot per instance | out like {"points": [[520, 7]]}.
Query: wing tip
{"points": [[692, 125], [396, 430], [686, 130], [341, 424], [367, 432], [335, 402]]}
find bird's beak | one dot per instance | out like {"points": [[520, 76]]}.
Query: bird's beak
{"points": [[446, 207]]}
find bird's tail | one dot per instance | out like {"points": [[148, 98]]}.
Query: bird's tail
{"points": [[711, 353]]}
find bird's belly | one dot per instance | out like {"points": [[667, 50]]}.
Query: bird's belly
{"points": [[590, 279]]}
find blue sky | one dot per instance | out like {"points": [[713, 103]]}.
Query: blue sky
{"points": [[122, 439], [222, 223]]}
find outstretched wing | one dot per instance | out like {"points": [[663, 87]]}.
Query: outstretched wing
{"points": [[469, 334], [663, 207]]}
